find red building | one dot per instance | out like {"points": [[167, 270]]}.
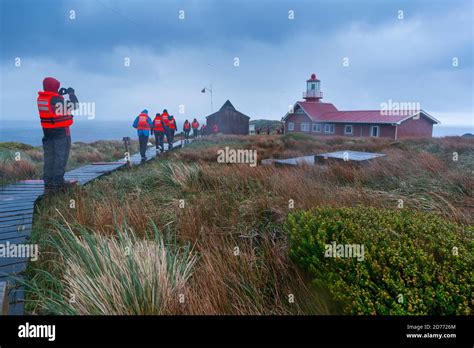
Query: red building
{"points": [[315, 117]]}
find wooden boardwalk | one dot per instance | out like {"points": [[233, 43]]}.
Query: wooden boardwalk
{"points": [[17, 204]]}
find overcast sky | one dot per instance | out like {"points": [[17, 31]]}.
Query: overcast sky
{"points": [[172, 59]]}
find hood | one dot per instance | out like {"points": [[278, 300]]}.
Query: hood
{"points": [[50, 84]]}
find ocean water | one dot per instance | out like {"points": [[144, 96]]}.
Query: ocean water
{"points": [[445, 131], [82, 130], [87, 131]]}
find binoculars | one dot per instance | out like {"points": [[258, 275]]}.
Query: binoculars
{"points": [[63, 91]]}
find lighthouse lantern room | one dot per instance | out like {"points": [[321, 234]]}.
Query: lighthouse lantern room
{"points": [[313, 92]]}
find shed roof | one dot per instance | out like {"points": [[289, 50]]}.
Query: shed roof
{"points": [[226, 106]]}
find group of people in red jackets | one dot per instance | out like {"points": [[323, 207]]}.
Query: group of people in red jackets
{"points": [[195, 126], [162, 125]]}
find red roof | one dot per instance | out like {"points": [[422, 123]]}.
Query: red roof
{"points": [[363, 116], [327, 112], [316, 109]]}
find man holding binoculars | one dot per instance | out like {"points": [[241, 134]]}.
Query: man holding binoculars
{"points": [[56, 117]]}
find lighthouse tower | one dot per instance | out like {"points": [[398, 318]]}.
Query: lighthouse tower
{"points": [[313, 92]]}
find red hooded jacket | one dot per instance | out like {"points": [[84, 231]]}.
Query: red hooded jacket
{"points": [[47, 106]]}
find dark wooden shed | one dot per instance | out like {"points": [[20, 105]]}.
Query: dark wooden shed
{"points": [[228, 120]]}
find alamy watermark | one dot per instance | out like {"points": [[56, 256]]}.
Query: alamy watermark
{"points": [[228, 155], [19, 250], [345, 251], [394, 108], [79, 109]]}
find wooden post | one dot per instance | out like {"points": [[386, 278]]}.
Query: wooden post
{"points": [[126, 141], [3, 298]]}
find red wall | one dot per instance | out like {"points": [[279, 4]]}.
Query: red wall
{"points": [[421, 128], [297, 120], [358, 130]]}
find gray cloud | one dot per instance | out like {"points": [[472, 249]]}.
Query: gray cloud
{"points": [[408, 60]]}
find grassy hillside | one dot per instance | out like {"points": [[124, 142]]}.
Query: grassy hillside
{"points": [[185, 234], [21, 161], [263, 124]]}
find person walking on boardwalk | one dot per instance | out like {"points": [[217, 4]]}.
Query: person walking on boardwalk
{"points": [[166, 124], [172, 129], [203, 130], [143, 124], [56, 118], [186, 130], [195, 128], [159, 131]]}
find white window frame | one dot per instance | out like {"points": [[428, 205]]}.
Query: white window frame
{"points": [[306, 124], [299, 111], [316, 127], [291, 126], [372, 131], [330, 125], [345, 129]]}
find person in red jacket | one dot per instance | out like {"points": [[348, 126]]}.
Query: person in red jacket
{"points": [[203, 130], [172, 129], [166, 124], [159, 131], [195, 125], [186, 130], [56, 118], [215, 129], [144, 126]]}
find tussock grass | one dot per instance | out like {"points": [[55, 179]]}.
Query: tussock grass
{"points": [[112, 275], [22, 169]]}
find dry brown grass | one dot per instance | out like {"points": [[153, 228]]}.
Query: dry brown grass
{"points": [[35, 154], [22, 169], [87, 157], [235, 205]]}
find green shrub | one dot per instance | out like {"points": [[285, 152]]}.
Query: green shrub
{"points": [[409, 264]]}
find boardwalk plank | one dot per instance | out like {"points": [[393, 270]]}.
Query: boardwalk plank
{"points": [[7, 208], [12, 270], [14, 237], [15, 188], [7, 261], [6, 215], [20, 228], [21, 220], [19, 217]]}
